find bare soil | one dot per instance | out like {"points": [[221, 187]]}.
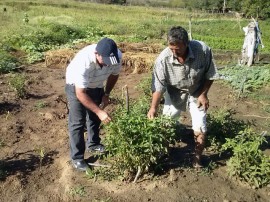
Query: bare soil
{"points": [[28, 128]]}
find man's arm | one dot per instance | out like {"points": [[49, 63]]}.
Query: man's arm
{"points": [[203, 99], [90, 104], [154, 105], [111, 81]]}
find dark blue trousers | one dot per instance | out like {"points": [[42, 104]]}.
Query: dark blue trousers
{"points": [[78, 118]]}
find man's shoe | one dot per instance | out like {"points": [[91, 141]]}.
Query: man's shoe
{"points": [[100, 148], [80, 165]]}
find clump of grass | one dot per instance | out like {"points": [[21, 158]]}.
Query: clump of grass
{"points": [[78, 191], [17, 82], [40, 105]]}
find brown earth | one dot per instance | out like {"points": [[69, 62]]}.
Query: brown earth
{"points": [[30, 130]]}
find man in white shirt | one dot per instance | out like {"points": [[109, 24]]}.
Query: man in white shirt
{"points": [[90, 77]]}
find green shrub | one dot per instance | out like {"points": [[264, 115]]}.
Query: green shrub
{"points": [[136, 143], [8, 63], [221, 126], [248, 162], [17, 82]]}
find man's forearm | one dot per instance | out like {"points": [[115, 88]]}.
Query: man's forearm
{"points": [[86, 100], [206, 87], [111, 81], [156, 97]]}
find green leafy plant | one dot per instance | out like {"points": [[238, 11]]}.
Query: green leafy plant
{"points": [[8, 63], [248, 162], [246, 79], [135, 143], [17, 82], [222, 125]]}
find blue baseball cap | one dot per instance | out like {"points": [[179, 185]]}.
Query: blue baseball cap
{"points": [[107, 48]]}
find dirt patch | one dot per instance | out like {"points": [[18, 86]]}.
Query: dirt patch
{"points": [[29, 128]]}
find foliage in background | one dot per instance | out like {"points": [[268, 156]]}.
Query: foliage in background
{"points": [[245, 79], [248, 162], [248, 8], [46, 36], [17, 82], [36, 27], [221, 126]]}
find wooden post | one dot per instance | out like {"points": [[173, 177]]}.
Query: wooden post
{"points": [[125, 88]]}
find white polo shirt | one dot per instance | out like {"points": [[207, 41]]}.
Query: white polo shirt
{"points": [[84, 71]]}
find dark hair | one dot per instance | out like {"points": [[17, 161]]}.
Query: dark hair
{"points": [[177, 34]]}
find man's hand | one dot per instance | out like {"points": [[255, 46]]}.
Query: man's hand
{"points": [[88, 103], [104, 116], [151, 113], [154, 105], [203, 102]]}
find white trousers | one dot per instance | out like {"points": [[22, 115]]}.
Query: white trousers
{"points": [[198, 115]]}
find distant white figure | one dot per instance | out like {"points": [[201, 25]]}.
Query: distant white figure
{"points": [[251, 43]]}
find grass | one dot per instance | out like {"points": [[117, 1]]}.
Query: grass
{"points": [[36, 27], [78, 191], [146, 23]]}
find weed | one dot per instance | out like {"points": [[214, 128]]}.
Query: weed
{"points": [[26, 18], [78, 191], [7, 115], [208, 169], [40, 105], [17, 82], [2, 144], [42, 153]]}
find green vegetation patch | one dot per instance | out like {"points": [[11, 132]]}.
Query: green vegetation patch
{"points": [[245, 79], [8, 63], [248, 162], [135, 142]]}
